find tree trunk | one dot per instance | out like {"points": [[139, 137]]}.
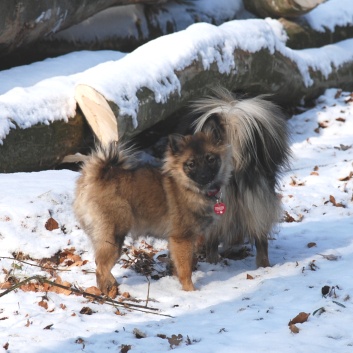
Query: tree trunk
{"points": [[44, 146], [280, 8], [282, 79], [301, 35], [275, 70], [128, 27], [22, 22]]}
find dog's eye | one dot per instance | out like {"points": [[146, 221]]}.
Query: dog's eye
{"points": [[210, 159], [190, 164]]}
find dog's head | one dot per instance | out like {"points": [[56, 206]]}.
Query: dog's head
{"points": [[200, 162]]}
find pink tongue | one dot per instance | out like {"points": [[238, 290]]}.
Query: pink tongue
{"points": [[213, 192]]}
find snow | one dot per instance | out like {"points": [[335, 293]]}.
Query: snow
{"points": [[237, 308], [130, 21], [30, 99], [228, 312], [330, 14]]}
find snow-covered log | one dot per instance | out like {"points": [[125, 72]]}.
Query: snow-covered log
{"points": [[157, 80], [328, 23], [301, 35], [280, 8]]}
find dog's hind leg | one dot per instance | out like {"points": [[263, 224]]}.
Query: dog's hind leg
{"points": [[182, 251], [107, 252], [261, 244]]}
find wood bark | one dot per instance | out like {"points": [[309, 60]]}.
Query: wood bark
{"points": [[43, 146], [280, 8], [281, 78], [301, 35], [132, 27], [22, 22]]}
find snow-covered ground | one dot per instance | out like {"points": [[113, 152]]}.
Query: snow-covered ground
{"points": [[237, 308]]}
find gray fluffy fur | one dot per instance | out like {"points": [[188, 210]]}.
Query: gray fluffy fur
{"points": [[257, 131]]}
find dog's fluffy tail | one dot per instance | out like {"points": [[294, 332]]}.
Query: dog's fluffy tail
{"points": [[255, 128], [103, 158]]}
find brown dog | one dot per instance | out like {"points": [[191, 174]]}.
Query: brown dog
{"points": [[116, 195]]}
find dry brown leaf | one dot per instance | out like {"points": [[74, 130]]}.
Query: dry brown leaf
{"points": [[59, 290], [48, 327], [314, 173], [293, 328], [86, 311], [249, 276], [6, 346], [93, 290], [323, 124], [348, 177], [311, 245], [6, 285], [295, 182], [30, 287], [43, 304], [340, 119], [51, 224], [175, 340], [333, 201], [300, 318], [125, 348], [290, 219], [119, 313]]}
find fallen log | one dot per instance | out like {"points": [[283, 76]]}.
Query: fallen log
{"points": [[44, 146], [128, 27], [143, 89], [280, 8], [22, 23]]}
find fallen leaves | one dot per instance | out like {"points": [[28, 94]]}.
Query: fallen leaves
{"points": [[86, 311], [290, 219], [299, 319], [347, 178], [51, 224], [43, 304], [334, 203], [295, 182]]}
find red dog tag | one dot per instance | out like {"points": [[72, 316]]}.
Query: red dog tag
{"points": [[219, 208]]}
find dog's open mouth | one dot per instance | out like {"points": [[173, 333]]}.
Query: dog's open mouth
{"points": [[213, 190]]}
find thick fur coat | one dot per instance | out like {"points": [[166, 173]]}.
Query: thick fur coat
{"points": [[116, 195], [256, 130]]}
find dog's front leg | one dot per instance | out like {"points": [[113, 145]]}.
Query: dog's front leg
{"points": [[261, 244], [182, 250]]}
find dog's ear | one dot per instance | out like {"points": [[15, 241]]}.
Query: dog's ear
{"points": [[215, 129], [176, 143]]}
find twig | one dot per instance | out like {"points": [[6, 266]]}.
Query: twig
{"points": [[101, 299], [148, 291], [28, 263]]}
